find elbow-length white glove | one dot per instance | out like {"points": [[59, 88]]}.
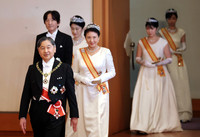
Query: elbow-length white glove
{"points": [[182, 48], [144, 62], [164, 62]]}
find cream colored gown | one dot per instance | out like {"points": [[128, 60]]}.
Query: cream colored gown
{"points": [[180, 80], [154, 107], [93, 105]]}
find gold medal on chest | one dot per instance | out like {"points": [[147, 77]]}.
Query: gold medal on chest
{"points": [[45, 81]]}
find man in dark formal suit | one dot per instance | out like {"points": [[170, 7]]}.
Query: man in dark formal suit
{"points": [[64, 44], [48, 84]]}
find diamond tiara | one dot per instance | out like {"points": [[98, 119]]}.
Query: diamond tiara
{"points": [[94, 26], [171, 11], [151, 20], [76, 19]]}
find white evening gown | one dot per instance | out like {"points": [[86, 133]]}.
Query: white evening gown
{"points": [[154, 107], [93, 105], [179, 76]]}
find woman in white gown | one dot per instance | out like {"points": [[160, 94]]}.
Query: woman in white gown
{"points": [[93, 66], [154, 107], [178, 70], [77, 25]]}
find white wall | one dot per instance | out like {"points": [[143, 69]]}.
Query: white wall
{"points": [[21, 21], [188, 12]]}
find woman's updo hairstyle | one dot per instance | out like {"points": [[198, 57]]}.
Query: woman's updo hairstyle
{"points": [[93, 28], [152, 22], [78, 20], [171, 12]]}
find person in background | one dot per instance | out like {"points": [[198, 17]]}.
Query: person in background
{"points": [[178, 70], [63, 41], [154, 97], [48, 84], [77, 25], [93, 66]]}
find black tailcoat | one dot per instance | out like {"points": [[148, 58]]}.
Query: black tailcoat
{"points": [[32, 91], [64, 47]]}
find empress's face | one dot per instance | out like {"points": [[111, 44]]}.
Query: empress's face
{"points": [[172, 21], [51, 24], [76, 30], [46, 50], [92, 39], [151, 31]]}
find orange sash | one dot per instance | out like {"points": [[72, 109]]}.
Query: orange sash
{"points": [[101, 87], [172, 45], [160, 69]]}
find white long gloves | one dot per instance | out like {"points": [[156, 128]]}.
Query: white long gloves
{"points": [[164, 62], [179, 50], [150, 65], [182, 48], [144, 62]]}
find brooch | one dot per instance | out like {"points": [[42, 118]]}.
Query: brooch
{"points": [[62, 90], [54, 90]]}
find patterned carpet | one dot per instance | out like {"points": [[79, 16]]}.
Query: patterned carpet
{"points": [[194, 124]]}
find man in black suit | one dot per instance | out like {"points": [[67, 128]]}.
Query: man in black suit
{"points": [[48, 84], [64, 44]]}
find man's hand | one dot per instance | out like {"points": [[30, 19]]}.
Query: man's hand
{"points": [[74, 122], [22, 124]]}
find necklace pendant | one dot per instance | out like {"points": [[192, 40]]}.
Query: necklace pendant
{"points": [[45, 75], [45, 81]]}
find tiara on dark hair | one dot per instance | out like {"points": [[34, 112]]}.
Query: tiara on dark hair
{"points": [[77, 19], [94, 26], [171, 11], [151, 20]]}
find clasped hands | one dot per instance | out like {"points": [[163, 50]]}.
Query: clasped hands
{"points": [[91, 82]]}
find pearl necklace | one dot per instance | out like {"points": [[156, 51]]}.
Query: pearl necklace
{"points": [[92, 51], [76, 42], [172, 30]]}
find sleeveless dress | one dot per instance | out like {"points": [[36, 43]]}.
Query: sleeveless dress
{"points": [[154, 107], [180, 80], [93, 105]]}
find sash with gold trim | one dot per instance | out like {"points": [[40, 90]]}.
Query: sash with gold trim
{"points": [[153, 56], [172, 45], [101, 87]]}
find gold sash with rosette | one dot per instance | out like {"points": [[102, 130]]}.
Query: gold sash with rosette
{"points": [[172, 45], [153, 56], [101, 87]]}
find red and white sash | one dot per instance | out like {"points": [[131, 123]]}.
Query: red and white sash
{"points": [[54, 109]]}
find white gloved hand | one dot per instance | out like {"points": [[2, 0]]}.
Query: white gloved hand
{"points": [[144, 62], [86, 81], [148, 64], [96, 80], [182, 48], [164, 62]]}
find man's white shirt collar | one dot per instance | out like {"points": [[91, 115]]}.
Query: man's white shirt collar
{"points": [[49, 63], [53, 35]]}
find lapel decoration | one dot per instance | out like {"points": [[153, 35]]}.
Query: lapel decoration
{"points": [[62, 90], [54, 90]]}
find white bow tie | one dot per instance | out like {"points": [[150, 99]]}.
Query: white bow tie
{"points": [[53, 36]]}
